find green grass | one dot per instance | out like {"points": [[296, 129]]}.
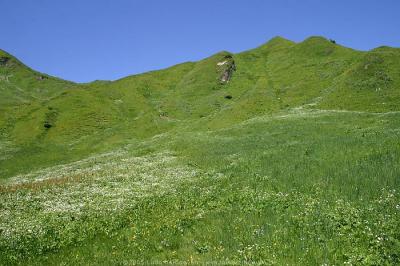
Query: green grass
{"points": [[300, 166]]}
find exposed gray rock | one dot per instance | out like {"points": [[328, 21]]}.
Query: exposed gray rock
{"points": [[226, 67]]}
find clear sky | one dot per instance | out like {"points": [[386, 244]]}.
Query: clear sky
{"points": [[84, 40]]}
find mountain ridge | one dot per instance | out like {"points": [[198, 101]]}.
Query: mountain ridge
{"points": [[271, 42], [40, 113]]}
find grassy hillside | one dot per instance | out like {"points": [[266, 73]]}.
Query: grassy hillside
{"points": [[276, 76], [295, 160]]}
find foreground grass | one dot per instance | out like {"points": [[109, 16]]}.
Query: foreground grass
{"points": [[304, 187]]}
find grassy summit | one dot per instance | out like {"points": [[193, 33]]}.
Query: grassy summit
{"points": [[294, 159]]}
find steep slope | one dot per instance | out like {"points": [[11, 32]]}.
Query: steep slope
{"points": [[84, 119], [371, 83], [47, 120], [282, 75], [22, 85]]}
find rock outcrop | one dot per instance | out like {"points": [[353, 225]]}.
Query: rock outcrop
{"points": [[226, 68]]}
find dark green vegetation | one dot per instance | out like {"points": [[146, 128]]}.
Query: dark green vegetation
{"points": [[300, 165]]}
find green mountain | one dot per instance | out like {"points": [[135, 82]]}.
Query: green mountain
{"points": [[279, 75], [284, 154]]}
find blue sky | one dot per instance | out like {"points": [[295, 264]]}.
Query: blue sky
{"points": [[84, 40]]}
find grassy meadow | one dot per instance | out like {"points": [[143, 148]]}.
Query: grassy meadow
{"points": [[301, 166]]}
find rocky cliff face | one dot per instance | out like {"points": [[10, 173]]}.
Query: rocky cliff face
{"points": [[226, 67]]}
